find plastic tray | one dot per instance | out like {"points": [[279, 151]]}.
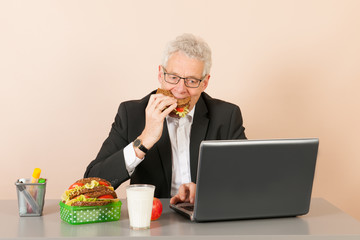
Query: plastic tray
{"points": [[91, 214]]}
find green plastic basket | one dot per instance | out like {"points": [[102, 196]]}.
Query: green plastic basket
{"points": [[91, 214]]}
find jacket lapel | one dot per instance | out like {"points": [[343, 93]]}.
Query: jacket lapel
{"points": [[198, 133], [164, 148]]}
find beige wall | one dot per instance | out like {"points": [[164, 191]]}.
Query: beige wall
{"points": [[292, 67]]}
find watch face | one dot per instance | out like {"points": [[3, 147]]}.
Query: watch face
{"points": [[137, 142]]}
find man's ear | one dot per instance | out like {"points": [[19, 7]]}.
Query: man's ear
{"points": [[206, 82], [160, 74]]}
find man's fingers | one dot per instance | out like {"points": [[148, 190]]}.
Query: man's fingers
{"points": [[156, 100], [175, 199], [165, 103], [183, 192], [192, 190], [160, 103], [168, 110], [186, 193]]}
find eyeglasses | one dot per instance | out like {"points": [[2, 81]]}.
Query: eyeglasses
{"points": [[190, 82]]}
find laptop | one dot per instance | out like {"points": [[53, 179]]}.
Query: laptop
{"points": [[248, 179]]}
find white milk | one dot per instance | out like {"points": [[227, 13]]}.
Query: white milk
{"points": [[139, 202]]}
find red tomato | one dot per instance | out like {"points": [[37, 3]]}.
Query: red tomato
{"points": [[75, 185], [180, 109], [103, 183], [107, 196], [156, 209]]}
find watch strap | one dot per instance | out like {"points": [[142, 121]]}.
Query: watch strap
{"points": [[143, 148], [138, 144]]}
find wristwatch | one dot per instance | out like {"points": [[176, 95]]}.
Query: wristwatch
{"points": [[138, 144]]}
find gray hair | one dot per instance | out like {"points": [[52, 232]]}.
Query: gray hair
{"points": [[193, 47]]}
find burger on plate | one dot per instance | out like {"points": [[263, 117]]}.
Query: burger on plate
{"points": [[89, 192], [182, 104]]}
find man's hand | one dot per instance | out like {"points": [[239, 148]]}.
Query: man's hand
{"points": [[158, 108], [186, 194]]}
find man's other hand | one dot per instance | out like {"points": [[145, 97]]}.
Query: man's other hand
{"points": [[186, 194]]}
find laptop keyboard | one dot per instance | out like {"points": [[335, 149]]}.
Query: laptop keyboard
{"points": [[189, 208], [185, 209]]}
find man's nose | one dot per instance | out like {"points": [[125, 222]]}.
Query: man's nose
{"points": [[181, 84]]}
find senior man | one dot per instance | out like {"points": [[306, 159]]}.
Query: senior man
{"points": [[148, 146]]}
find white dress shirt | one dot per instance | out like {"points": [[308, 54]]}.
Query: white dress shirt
{"points": [[179, 133]]}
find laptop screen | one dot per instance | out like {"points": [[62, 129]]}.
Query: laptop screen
{"points": [[242, 179]]}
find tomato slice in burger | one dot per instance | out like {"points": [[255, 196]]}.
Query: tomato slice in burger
{"points": [[180, 109], [76, 185], [107, 196], [103, 183]]}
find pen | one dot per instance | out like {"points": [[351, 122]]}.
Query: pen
{"points": [[32, 189], [42, 180], [31, 205], [34, 179], [36, 175], [41, 193]]}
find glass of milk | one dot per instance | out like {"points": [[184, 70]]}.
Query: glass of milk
{"points": [[139, 203]]}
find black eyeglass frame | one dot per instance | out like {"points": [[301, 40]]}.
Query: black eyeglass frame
{"points": [[185, 78]]}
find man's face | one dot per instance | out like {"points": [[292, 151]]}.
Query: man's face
{"points": [[183, 66]]}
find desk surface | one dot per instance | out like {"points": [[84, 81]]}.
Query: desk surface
{"points": [[324, 221]]}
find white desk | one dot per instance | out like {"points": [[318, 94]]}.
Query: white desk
{"points": [[324, 221]]}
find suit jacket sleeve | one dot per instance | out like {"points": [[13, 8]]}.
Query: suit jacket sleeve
{"points": [[110, 163], [236, 128]]}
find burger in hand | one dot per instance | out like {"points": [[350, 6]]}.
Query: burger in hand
{"points": [[89, 192], [182, 104]]}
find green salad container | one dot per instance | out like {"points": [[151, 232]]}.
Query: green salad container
{"points": [[90, 214]]}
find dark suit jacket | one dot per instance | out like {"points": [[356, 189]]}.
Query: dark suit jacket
{"points": [[213, 119]]}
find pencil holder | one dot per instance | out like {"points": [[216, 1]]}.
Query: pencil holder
{"points": [[31, 197]]}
